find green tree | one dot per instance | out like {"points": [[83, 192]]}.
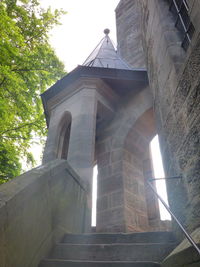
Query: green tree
{"points": [[28, 66]]}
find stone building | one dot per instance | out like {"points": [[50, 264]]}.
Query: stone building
{"points": [[106, 112]]}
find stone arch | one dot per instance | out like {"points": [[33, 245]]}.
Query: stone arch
{"points": [[64, 128], [137, 170], [122, 152], [131, 111]]}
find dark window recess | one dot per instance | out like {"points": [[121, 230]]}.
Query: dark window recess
{"points": [[66, 142], [180, 9]]}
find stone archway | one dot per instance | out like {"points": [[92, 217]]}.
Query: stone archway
{"points": [[141, 205], [122, 151]]}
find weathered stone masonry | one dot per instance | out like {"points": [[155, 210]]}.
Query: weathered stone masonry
{"points": [[121, 193], [174, 81]]}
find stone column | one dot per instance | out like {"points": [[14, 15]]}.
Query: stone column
{"points": [[82, 142], [50, 151], [82, 137]]}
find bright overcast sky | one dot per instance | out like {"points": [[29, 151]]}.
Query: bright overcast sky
{"points": [[82, 28]]}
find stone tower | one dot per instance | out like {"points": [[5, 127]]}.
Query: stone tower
{"points": [[101, 113], [104, 112]]}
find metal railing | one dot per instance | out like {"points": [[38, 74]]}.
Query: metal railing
{"points": [[181, 10], [187, 235]]}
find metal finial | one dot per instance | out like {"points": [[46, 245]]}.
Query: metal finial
{"points": [[106, 31]]}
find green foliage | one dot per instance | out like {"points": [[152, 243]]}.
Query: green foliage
{"points": [[28, 66]]}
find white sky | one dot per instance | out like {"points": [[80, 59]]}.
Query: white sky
{"points": [[159, 173], [82, 28], [94, 195]]}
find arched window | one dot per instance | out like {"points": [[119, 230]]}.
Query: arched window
{"points": [[64, 136]]}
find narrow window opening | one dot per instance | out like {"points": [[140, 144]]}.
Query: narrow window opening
{"points": [[159, 173], [94, 196], [65, 145], [64, 136]]}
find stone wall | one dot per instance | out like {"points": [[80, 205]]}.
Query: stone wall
{"points": [[175, 84], [129, 33], [36, 210], [184, 254]]}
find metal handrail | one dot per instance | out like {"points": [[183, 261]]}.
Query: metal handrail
{"points": [[166, 178], [188, 236]]}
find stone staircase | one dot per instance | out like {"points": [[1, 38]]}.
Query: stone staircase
{"points": [[111, 250]]}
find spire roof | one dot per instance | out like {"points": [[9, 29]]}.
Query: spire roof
{"points": [[105, 55]]}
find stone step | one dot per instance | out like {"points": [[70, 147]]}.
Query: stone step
{"points": [[113, 252], [146, 237], [67, 263]]}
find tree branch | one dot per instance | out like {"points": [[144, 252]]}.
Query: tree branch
{"points": [[19, 127], [26, 69], [23, 138], [4, 79], [4, 177], [15, 137]]}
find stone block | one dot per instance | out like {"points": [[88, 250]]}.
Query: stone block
{"points": [[117, 167], [117, 199], [116, 155], [110, 216], [113, 183], [131, 185], [130, 201], [103, 159], [104, 172], [102, 203]]}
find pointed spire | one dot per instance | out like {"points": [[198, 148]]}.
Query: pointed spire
{"points": [[105, 55]]}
